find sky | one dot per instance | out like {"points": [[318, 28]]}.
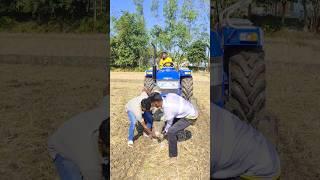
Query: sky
{"points": [[118, 6]]}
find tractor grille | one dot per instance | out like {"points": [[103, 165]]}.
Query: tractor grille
{"points": [[166, 91]]}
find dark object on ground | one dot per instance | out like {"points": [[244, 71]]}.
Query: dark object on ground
{"points": [[184, 135], [157, 115]]}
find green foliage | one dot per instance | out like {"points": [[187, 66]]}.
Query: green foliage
{"points": [[170, 12], [197, 52], [129, 44], [155, 7], [139, 6], [188, 12], [53, 16]]}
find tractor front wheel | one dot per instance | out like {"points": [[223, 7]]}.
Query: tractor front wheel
{"points": [[247, 85], [149, 84], [187, 88]]}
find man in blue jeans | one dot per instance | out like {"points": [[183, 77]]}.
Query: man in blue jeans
{"points": [[138, 109]]}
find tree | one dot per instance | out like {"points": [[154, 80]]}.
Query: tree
{"points": [[315, 17], [155, 7], [189, 14], [305, 15], [197, 52], [130, 41], [139, 6], [284, 6]]}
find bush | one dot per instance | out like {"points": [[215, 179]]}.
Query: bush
{"points": [[87, 25], [268, 23], [271, 24], [84, 25], [6, 22]]}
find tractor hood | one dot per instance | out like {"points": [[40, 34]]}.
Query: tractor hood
{"points": [[168, 73]]}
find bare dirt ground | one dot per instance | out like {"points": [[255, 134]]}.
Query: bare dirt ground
{"points": [[293, 96], [35, 101], [148, 159]]}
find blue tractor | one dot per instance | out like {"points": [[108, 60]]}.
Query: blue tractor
{"points": [[169, 79], [237, 62]]}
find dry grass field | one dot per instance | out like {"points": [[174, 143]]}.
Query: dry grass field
{"points": [[148, 159], [35, 101], [293, 96]]}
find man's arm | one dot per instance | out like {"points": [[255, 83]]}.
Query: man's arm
{"points": [[145, 127], [169, 119]]}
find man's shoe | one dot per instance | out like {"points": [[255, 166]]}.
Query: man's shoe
{"points": [[130, 143], [145, 135]]}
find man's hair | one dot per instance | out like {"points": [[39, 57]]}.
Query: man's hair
{"points": [[163, 52], [146, 104], [155, 96]]}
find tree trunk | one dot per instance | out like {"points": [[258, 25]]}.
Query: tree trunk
{"points": [[88, 5], [283, 12], [101, 4], [305, 15], [249, 10], [94, 13]]}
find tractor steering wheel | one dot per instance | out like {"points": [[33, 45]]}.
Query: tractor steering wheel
{"points": [[168, 64]]}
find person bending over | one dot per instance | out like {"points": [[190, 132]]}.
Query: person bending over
{"points": [[239, 151], [176, 108], [138, 109], [78, 147]]}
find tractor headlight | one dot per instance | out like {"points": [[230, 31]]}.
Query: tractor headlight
{"points": [[252, 37], [149, 73], [168, 84], [188, 72]]}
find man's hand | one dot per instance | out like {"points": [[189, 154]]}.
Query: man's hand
{"points": [[164, 132], [153, 135]]}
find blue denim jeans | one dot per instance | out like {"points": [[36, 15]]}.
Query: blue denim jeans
{"points": [[67, 170], [147, 116]]}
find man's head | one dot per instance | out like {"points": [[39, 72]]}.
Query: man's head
{"points": [[156, 100], [145, 104], [164, 55]]}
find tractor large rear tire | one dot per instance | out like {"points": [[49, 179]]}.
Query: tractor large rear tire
{"points": [[187, 88], [149, 84], [247, 85]]}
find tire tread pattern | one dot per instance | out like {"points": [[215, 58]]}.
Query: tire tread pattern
{"points": [[187, 88], [247, 84]]}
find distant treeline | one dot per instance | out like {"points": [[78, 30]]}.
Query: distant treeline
{"points": [[276, 13], [53, 15]]}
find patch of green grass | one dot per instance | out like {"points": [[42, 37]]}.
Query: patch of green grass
{"points": [[128, 69], [85, 25]]}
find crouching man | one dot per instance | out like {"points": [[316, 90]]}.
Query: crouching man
{"points": [[238, 151], [138, 110], [79, 146], [175, 108]]}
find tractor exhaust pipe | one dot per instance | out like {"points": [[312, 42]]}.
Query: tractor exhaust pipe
{"points": [[154, 66]]}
